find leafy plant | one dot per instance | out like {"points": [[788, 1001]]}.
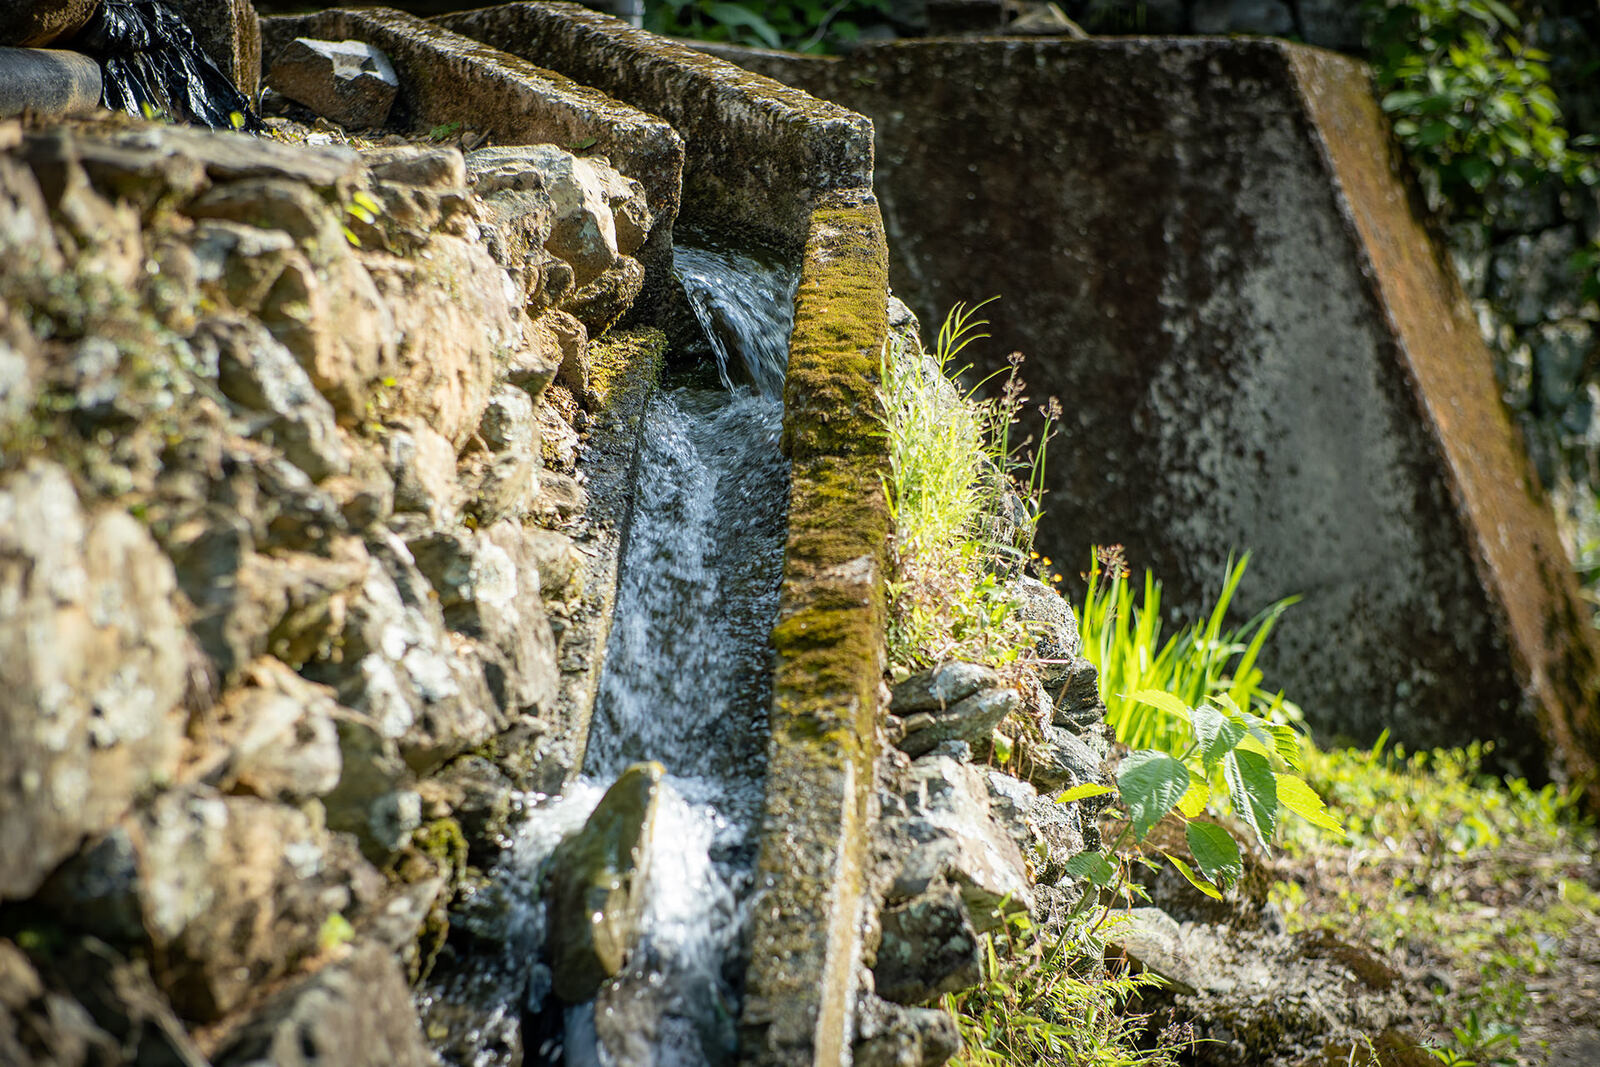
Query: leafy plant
{"points": [[799, 25], [1122, 637], [1228, 753]]}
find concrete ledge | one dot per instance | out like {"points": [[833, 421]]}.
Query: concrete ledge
{"points": [[805, 937], [758, 151], [49, 82], [448, 78]]}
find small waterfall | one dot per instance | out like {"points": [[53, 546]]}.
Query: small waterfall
{"points": [[749, 319], [687, 682]]}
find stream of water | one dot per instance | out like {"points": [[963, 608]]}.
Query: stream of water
{"points": [[686, 682]]}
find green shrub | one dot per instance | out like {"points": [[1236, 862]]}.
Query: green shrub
{"points": [[1122, 637]]}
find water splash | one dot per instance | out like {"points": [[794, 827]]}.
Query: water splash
{"points": [[687, 681], [745, 305]]}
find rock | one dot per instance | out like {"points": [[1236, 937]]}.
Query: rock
{"points": [[1050, 620], [972, 720], [272, 204], [1063, 761], [603, 301], [281, 736], [347, 82], [547, 345], [596, 213], [572, 339], [374, 799], [94, 666], [889, 1035], [355, 1013], [399, 665], [559, 562], [1152, 938], [1046, 833], [508, 421], [44, 1028], [596, 885], [49, 84], [950, 834], [561, 496], [929, 948], [503, 487], [257, 372], [940, 687], [1529, 277], [1077, 697], [423, 466], [231, 892], [338, 326], [33, 23], [459, 318], [229, 33]]}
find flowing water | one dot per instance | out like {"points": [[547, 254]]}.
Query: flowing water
{"points": [[686, 682]]}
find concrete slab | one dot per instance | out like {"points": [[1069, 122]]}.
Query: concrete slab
{"points": [[1206, 251]]}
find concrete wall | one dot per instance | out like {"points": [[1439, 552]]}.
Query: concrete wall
{"points": [[1174, 228]]}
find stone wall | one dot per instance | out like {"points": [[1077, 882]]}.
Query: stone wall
{"points": [[295, 577]]}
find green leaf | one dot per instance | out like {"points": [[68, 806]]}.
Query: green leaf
{"points": [[587, 142], [1194, 799], [1218, 733], [1092, 865], [1216, 852], [735, 17], [1300, 798], [1254, 790], [1194, 879], [1151, 783], [1083, 792], [1162, 701]]}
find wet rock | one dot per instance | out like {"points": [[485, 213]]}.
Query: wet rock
{"points": [[929, 947], [596, 885], [281, 737], [94, 664], [347, 82], [356, 1013], [972, 720], [257, 372], [889, 1035]]}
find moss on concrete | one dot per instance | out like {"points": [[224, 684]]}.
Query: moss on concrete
{"points": [[623, 359], [830, 649]]}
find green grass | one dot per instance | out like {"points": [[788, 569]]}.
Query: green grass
{"points": [[1122, 636], [952, 471], [1050, 1000]]}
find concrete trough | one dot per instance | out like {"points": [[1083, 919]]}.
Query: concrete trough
{"points": [[1207, 251]]}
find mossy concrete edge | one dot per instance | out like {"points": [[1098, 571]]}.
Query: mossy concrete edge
{"points": [[805, 931], [1519, 555]]}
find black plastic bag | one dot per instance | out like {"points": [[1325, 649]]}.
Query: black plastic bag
{"points": [[151, 65]]}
